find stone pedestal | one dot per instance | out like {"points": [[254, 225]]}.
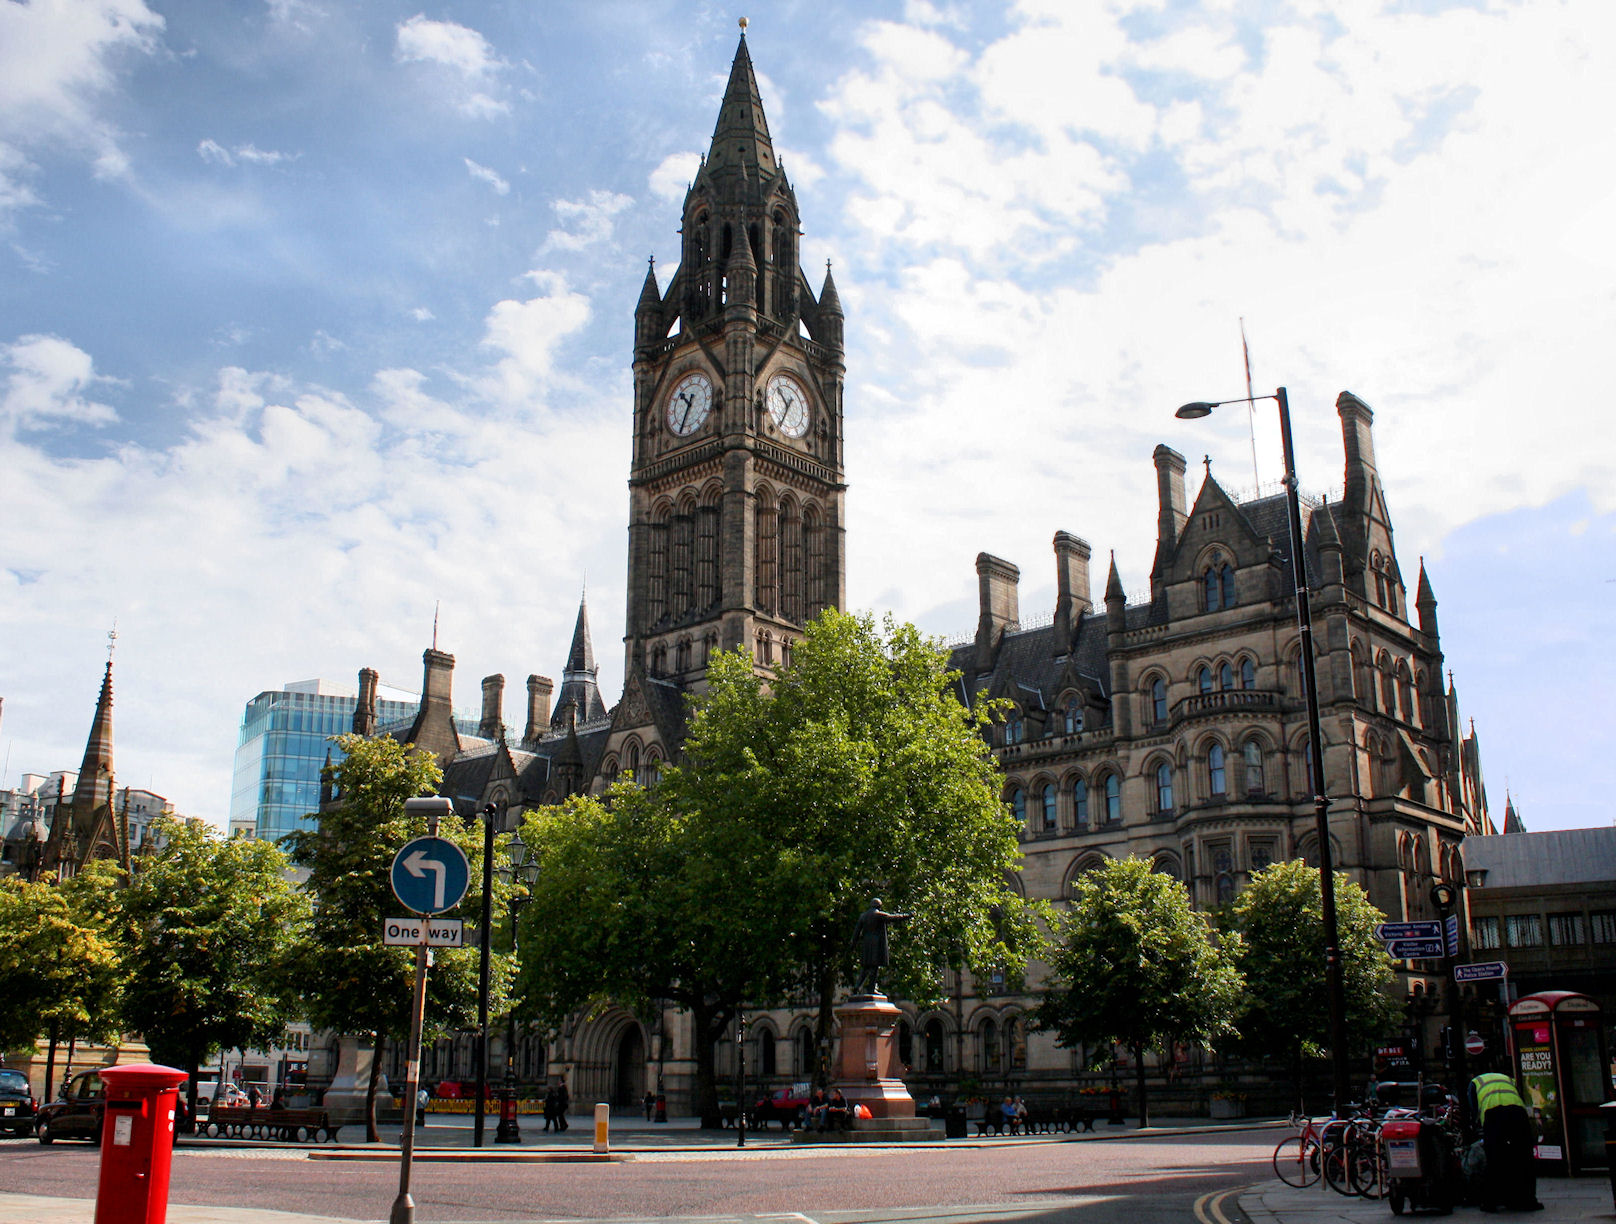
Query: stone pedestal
{"points": [[867, 1070]]}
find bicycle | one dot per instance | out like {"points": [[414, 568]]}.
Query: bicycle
{"points": [[1296, 1157]]}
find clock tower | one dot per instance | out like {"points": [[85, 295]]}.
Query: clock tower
{"points": [[736, 489]]}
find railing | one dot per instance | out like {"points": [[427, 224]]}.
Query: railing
{"points": [[1223, 702]]}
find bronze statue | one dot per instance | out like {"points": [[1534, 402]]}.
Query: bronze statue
{"points": [[871, 936]]}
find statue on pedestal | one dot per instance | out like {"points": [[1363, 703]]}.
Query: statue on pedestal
{"points": [[871, 936]]}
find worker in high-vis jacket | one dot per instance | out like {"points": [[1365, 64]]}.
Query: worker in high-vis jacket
{"points": [[1510, 1179]]}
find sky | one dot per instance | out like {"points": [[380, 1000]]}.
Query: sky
{"points": [[316, 316]]}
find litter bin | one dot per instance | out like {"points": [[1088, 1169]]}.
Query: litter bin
{"points": [[1421, 1168], [1607, 1111], [954, 1122]]}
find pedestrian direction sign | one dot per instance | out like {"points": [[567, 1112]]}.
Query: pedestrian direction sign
{"points": [[439, 932], [1415, 949], [1481, 971], [430, 875], [1450, 928], [1409, 930]]}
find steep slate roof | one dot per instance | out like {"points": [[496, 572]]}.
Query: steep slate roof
{"points": [[1529, 860], [1027, 665]]}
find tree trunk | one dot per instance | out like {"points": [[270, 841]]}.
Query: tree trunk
{"points": [[377, 1045], [191, 1065], [1296, 1078], [1139, 1080], [50, 1059], [824, 1027], [701, 1024]]}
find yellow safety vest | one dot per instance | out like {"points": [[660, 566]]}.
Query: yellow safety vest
{"points": [[1493, 1089]]}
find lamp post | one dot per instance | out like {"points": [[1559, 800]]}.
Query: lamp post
{"points": [[490, 812], [1334, 985], [523, 869], [740, 1080]]}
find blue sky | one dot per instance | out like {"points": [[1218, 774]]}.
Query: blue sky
{"points": [[314, 314]]}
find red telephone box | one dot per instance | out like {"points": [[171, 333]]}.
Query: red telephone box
{"points": [[137, 1143], [1561, 1067]]}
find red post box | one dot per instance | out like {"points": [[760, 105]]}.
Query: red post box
{"points": [[137, 1143]]}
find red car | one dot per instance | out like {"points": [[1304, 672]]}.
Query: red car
{"points": [[784, 1105]]}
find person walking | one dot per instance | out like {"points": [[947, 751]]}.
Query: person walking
{"points": [[550, 1099], [563, 1103], [1510, 1178]]}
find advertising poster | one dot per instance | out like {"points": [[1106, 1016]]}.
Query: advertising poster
{"points": [[1536, 1061]]}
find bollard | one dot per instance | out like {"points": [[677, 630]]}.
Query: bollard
{"points": [[603, 1126], [137, 1143]]}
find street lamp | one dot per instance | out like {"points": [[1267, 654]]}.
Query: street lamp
{"points": [[523, 869], [489, 813], [1321, 802]]}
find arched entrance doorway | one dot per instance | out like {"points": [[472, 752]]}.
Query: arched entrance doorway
{"points": [[628, 1069]]}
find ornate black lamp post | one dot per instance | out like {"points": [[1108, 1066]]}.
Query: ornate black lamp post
{"points": [[1321, 802], [740, 1080], [523, 868]]}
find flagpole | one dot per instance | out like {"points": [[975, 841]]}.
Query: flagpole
{"points": [[1251, 407]]}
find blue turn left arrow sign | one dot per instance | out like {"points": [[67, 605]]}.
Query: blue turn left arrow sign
{"points": [[430, 875]]}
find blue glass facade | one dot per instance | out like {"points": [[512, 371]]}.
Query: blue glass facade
{"points": [[284, 738]]}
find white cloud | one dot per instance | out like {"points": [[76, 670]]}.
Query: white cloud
{"points": [[527, 335], [589, 220], [422, 315], [57, 64], [674, 174], [46, 381], [464, 55], [491, 177]]}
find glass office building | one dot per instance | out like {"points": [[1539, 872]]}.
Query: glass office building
{"points": [[285, 735]]}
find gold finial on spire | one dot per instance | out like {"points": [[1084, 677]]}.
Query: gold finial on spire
{"points": [[743, 27], [112, 639]]}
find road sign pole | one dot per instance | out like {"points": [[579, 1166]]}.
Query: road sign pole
{"points": [[404, 1205]]}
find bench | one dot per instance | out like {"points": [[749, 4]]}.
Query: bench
{"points": [[288, 1125], [1041, 1119]]}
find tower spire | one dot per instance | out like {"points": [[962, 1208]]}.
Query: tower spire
{"points": [[741, 136], [94, 786]]}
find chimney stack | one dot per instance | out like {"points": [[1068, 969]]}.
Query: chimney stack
{"points": [[1072, 602], [998, 583], [1358, 439], [539, 689], [364, 715], [493, 720]]}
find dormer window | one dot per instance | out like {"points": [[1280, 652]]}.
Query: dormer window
{"points": [[1015, 729], [1073, 717], [1217, 584]]}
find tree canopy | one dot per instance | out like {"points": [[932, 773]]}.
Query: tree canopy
{"points": [[855, 772], [350, 982], [60, 961], [207, 923], [1285, 1009], [1134, 964]]}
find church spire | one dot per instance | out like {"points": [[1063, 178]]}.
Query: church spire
{"points": [[579, 688], [94, 786], [741, 136]]}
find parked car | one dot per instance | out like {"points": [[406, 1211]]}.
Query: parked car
{"points": [[17, 1104], [784, 1105], [77, 1113]]}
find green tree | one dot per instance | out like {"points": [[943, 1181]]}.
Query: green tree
{"points": [[1134, 964], [1285, 1009], [350, 982], [856, 772], [59, 960], [207, 922]]}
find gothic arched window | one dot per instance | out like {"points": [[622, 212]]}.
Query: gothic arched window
{"points": [[1080, 803], [791, 562], [707, 592], [1113, 798], [1158, 700], [1217, 778], [1164, 789], [1018, 805], [1047, 801], [1073, 716], [768, 528], [1225, 678], [656, 597], [814, 540], [1226, 581], [1248, 674], [1203, 680], [1210, 594], [680, 592], [1252, 754]]}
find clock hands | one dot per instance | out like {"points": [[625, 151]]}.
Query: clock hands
{"points": [[688, 402]]}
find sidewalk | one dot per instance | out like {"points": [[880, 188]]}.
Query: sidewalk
{"points": [[1574, 1200]]}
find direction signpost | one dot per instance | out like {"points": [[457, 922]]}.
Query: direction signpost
{"points": [[1415, 949], [429, 876], [1388, 931], [1481, 971]]}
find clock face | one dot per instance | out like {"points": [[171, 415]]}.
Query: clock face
{"points": [[689, 404], [788, 405]]}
